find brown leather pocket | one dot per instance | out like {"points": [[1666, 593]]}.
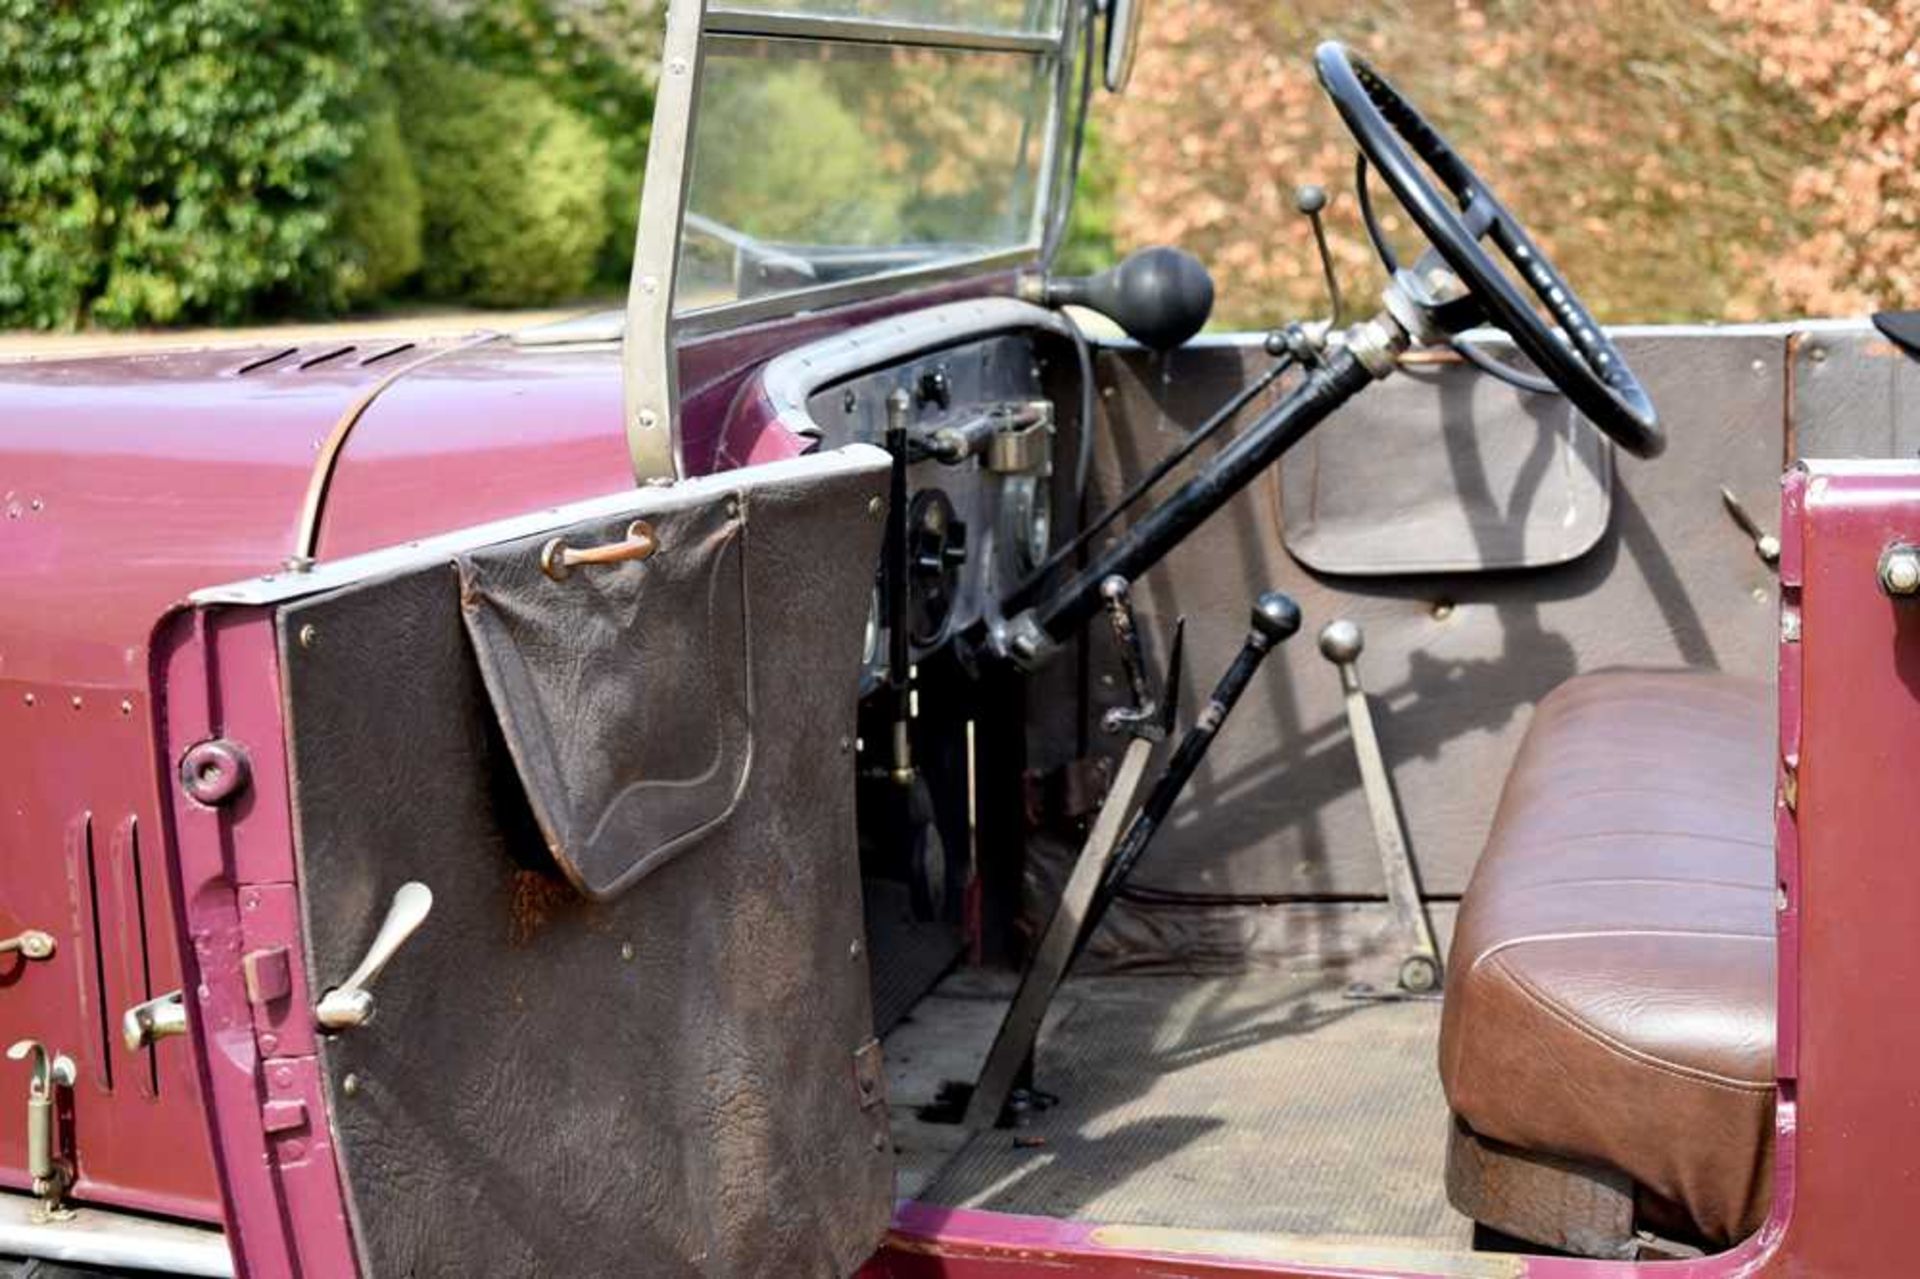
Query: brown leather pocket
{"points": [[621, 684]]}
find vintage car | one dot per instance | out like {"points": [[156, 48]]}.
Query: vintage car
{"points": [[821, 772]]}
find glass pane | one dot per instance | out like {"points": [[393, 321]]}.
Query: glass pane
{"points": [[976, 15], [818, 163]]}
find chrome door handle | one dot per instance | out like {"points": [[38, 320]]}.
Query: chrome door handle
{"points": [[159, 1018], [31, 944], [350, 1003]]}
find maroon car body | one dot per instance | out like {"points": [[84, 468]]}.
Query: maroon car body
{"points": [[161, 508]]}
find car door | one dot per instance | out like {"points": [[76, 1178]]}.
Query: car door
{"points": [[577, 788]]}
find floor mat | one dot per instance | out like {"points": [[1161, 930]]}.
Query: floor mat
{"points": [[1264, 1102]]}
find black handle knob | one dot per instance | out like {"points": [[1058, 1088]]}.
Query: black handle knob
{"points": [[1276, 617], [1160, 296]]}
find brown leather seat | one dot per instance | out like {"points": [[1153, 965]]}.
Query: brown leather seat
{"points": [[1610, 994]]}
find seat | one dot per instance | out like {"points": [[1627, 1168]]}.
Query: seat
{"points": [[1607, 1041]]}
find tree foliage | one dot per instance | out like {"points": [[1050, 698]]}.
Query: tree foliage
{"points": [[163, 161], [512, 184], [1680, 160]]}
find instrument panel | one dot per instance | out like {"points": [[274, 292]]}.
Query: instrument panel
{"points": [[980, 437]]}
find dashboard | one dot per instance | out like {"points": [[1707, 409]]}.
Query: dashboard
{"points": [[972, 391]]}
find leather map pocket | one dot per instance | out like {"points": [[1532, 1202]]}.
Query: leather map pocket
{"points": [[619, 673]]}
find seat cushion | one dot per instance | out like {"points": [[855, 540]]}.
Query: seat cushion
{"points": [[1610, 992]]}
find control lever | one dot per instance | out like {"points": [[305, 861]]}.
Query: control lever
{"points": [[350, 1003], [1765, 544], [1340, 643], [1276, 618], [1013, 1045], [1311, 200]]}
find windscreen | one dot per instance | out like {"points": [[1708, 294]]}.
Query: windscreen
{"points": [[817, 162]]}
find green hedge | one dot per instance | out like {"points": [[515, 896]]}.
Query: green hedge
{"points": [[164, 161], [512, 184]]}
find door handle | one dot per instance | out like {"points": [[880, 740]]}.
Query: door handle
{"points": [[31, 944], [350, 1003], [158, 1018]]}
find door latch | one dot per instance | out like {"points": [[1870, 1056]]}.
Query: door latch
{"points": [[31, 944], [161, 1017], [51, 1174], [350, 1003]]}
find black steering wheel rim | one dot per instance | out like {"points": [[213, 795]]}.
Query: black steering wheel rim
{"points": [[1391, 133]]}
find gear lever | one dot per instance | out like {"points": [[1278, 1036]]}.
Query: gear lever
{"points": [[1109, 856], [1340, 643], [1146, 723]]}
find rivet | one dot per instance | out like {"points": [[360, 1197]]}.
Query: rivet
{"points": [[76, 701], [350, 1085], [126, 706], [626, 950], [309, 636], [854, 949], [269, 1043], [35, 504], [283, 1077], [875, 506], [294, 1150], [879, 1141], [1780, 898], [1442, 610], [30, 699], [846, 744], [647, 419], [1760, 366]]}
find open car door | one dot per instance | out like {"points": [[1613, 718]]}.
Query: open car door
{"points": [[522, 892]]}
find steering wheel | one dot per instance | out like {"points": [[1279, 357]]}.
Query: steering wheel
{"points": [[1396, 139]]}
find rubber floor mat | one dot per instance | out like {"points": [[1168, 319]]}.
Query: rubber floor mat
{"points": [[1264, 1102]]}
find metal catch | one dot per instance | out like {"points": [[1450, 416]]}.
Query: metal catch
{"points": [[558, 560], [31, 944]]}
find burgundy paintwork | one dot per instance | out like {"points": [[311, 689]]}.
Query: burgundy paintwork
{"points": [[132, 481]]}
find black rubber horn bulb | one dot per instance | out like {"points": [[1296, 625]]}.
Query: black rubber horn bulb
{"points": [[1160, 296]]}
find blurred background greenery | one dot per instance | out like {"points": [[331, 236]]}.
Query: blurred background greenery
{"points": [[212, 161]]}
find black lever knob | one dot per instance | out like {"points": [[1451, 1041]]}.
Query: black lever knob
{"points": [[1160, 296], [1276, 618]]}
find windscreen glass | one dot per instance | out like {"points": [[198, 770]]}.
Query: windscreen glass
{"points": [[817, 162]]}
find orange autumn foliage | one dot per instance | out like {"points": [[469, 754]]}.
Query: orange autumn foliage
{"points": [[1681, 159]]}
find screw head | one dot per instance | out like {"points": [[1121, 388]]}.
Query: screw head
{"points": [[350, 1085], [309, 636], [1900, 571]]}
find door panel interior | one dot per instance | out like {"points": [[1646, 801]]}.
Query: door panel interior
{"points": [[676, 1079], [1454, 661]]}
